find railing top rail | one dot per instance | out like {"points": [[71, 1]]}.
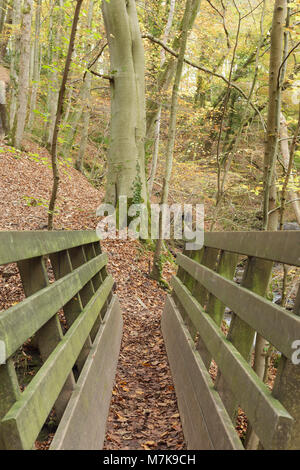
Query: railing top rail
{"points": [[273, 322], [281, 246], [17, 246], [21, 321]]}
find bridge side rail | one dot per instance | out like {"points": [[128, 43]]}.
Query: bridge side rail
{"points": [[191, 325], [74, 321]]}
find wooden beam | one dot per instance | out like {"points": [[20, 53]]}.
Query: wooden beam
{"points": [[17, 246], [21, 321], [281, 246], [206, 424], [21, 425], [271, 422], [272, 322]]}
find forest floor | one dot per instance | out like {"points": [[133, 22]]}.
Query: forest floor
{"points": [[143, 413]]}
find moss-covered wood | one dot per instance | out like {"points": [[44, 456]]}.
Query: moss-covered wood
{"points": [[21, 425], [274, 323], [281, 246], [272, 423], [205, 421], [17, 246], [21, 321], [83, 289]]}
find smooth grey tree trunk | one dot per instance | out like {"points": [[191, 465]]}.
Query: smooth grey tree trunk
{"points": [[36, 63], [126, 166], [86, 101], [273, 122], [14, 62], [157, 124], [24, 65], [156, 268], [54, 75]]}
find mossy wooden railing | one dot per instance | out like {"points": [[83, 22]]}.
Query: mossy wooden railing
{"points": [[79, 361], [191, 325]]}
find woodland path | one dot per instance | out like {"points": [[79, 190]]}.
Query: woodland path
{"points": [[143, 413]]}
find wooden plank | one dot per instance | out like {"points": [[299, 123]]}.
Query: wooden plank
{"points": [[271, 422], [84, 422], [78, 258], [96, 281], [281, 246], [206, 424], [21, 425], [9, 391], [62, 265], [193, 423], [17, 246], [189, 282], [274, 323], [21, 321]]}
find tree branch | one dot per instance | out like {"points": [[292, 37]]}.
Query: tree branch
{"points": [[100, 75], [205, 70]]}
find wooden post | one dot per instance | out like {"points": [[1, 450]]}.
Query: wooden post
{"points": [[9, 390], [209, 259], [78, 258], [286, 389], [215, 308], [256, 278], [34, 278], [189, 282]]}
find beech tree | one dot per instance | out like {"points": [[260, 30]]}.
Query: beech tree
{"points": [[60, 103], [126, 157], [156, 269], [274, 109], [23, 82]]}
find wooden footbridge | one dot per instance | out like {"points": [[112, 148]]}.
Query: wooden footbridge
{"points": [[79, 359]]}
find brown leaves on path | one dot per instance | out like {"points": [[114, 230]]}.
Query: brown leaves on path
{"points": [[144, 413]]}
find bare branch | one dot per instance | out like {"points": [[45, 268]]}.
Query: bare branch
{"points": [[101, 75], [205, 70]]}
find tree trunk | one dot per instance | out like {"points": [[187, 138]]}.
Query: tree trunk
{"points": [[157, 124], [36, 63], [3, 9], [54, 75], [273, 122], [285, 152], [86, 101], [14, 62], [156, 268], [126, 166], [20, 117], [60, 103], [166, 74]]}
